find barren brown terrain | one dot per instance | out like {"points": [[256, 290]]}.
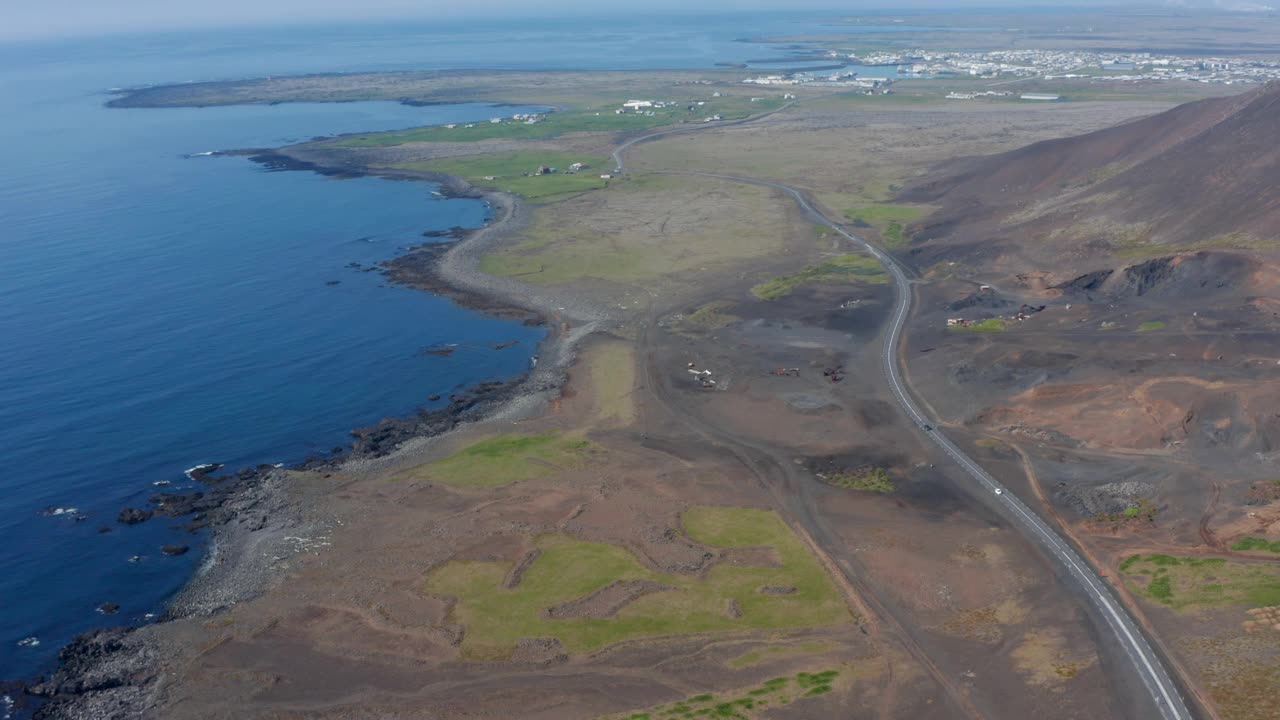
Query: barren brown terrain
{"points": [[1125, 373]]}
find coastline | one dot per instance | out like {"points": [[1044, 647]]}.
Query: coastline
{"points": [[259, 520]]}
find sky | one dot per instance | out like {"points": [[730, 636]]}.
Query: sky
{"points": [[21, 19]]}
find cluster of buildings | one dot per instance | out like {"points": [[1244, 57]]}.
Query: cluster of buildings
{"points": [[1042, 97], [844, 78], [643, 107], [574, 168], [975, 95], [548, 170], [648, 107], [1072, 64], [525, 118]]}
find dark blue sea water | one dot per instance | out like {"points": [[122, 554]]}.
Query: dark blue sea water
{"points": [[159, 311]]}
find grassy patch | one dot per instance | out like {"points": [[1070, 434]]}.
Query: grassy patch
{"points": [[777, 652], [890, 220], [1191, 583], [743, 704], [506, 458], [1247, 544], [893, 235], [1160, 588], [611, 373], [709, 317], [596, 118], [649, 231], [989, 325], [568, 569], [515, 172], [844, 268], [869, 479], [1149, 326]]}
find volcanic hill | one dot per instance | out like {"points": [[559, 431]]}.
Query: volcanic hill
{"points": [[1200, 177]]}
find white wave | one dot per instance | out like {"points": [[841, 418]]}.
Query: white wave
{"points": [[29, 642], [61, 511], [202, 467]]}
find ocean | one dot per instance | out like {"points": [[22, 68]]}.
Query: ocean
{"points": [[160, 309]]}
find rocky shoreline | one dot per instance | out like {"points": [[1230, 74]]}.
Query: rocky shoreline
{"points": [[258, 518]]}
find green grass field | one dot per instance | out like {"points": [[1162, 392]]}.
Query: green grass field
{"points": [[1150, 326], [496, 618], [890, 220], [987, 326], [505, 459], [1256, 544], [513, 172], [1189, 583], [596, 118], [842, 269]]}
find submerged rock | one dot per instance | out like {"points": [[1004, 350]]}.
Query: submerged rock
{"points": [[133, 516]]}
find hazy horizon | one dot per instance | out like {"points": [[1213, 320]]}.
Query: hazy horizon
{"points": [[48, 19]]}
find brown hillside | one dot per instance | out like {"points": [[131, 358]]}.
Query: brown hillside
{"points": [[1203, 174]]}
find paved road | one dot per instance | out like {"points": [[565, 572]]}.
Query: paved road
{"points": [[1148, 665]]}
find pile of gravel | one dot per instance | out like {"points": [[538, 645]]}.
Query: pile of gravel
{"points": [[1098, 499]]}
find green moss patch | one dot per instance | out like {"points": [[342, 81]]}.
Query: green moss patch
{"points": [[1258, 544], [507, 458], [711, 316], [983, 326], [1191, 583], [868, 479], [496, 617], [841, 269], [890, 220]]}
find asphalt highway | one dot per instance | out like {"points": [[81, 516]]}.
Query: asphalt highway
{"points": [[1148, 665]]}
